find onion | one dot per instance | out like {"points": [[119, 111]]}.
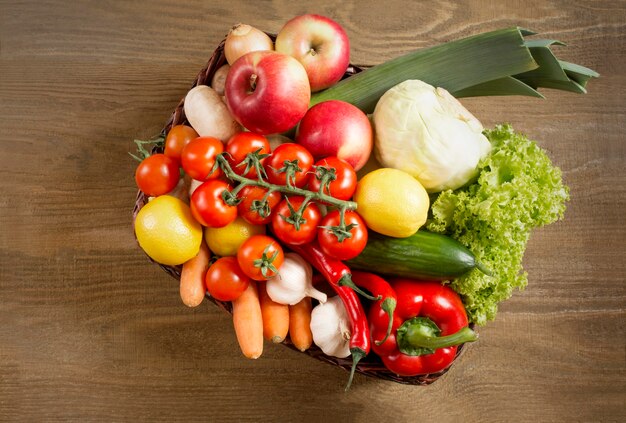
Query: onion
{"points": [[243, 39], [219, 79]]}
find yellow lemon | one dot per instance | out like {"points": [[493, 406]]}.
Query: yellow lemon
{"points": [[225, 241], [392, 202], [167, 231]]}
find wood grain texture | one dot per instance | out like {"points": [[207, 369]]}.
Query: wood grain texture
{"points": [[91, 331]]}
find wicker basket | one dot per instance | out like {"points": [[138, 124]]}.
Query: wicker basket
{"points": [[371, 365]]}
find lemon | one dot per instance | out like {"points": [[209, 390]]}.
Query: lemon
{"points": [[225, 241], [392, 202], [167, 231]]}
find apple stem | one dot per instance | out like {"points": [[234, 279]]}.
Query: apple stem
{"points": [[253, 79], [285, 189]]}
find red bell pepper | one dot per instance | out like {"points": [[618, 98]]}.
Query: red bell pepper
{"points": [[429, 323]]}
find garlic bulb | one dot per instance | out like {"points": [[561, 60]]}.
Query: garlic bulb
{"points": [[330, 327], [293, 282], [427, 133]]}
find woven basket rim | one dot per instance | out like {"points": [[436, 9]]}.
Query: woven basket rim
{"points": [[371, 365]]}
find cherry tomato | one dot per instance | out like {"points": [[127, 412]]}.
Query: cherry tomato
{"points": [[178, 137], [198, 158], [157, 175], [240, 145], [283, 221], [208, 206], [349, 248], [344, 184], [260, 257], [225, 280], [251, 196], [290, 153]]}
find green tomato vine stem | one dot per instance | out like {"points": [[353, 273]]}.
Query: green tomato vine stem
{"points": [[342, 205]]}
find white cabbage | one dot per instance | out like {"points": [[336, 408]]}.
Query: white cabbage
{"points": [[427, 133]]}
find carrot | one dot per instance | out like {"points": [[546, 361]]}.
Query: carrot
{"points": [[300, 324], [275, 317], [192, 287], [248, 322]]}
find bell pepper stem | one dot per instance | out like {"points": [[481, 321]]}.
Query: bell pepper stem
{"points": [[357, 355], [346, 280], [388, 306], [415, 336], [420, 336]]}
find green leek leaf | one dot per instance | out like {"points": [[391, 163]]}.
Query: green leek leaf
{"points": [[549, 66], [578, 73], [543, 43], [454, 66], [526, 32], [495, 63], [498, 87], [568, 85]]}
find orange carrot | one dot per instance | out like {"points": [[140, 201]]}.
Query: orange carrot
{"points": [[248, 322], [192, 287], [275, 317], [300, 324]]}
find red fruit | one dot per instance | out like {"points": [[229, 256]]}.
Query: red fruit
{"points": [[337, 128]]}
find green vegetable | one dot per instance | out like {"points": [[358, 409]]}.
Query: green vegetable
{"points": [[424, 255], [427, 133], [501, 62], [454, 66], [518, 189]]}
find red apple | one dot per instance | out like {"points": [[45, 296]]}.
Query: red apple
{"points": [[320, 44], [267, 92], [337, 128]]}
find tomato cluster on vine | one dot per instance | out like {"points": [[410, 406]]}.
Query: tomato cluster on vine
{"points": [[295, 219], [301, 200]]}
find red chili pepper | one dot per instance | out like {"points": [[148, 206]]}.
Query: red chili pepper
{"points": [[428, 325], [339, 277], [383, 308]]}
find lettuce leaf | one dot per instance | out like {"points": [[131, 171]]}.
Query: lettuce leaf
{"points": [[518, 189]]}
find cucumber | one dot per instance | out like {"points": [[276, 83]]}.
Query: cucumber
{"points": [[423, 255]]}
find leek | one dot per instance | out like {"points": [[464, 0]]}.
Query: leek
{"points": [[500, 62]]}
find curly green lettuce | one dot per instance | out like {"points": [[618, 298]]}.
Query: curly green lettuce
{"points": [[518, 189]]}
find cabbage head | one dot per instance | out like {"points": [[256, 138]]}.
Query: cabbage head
{"points": [[427, 133]]}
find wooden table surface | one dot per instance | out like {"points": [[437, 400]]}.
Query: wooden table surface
{"points": [[90, 330]]}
